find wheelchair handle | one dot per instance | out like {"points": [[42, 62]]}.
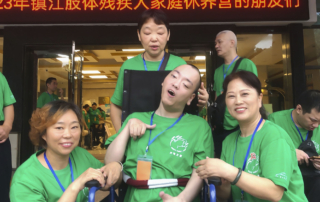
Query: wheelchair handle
{"points": [[92, 183], [215, 180]]}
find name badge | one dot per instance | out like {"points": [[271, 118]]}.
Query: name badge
{"points": [[144, 166]]}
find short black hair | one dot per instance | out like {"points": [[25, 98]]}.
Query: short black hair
{"points": [[49, 80], [85, 106], [94, 104], [309, 100], [199, 83], [159, 17]]}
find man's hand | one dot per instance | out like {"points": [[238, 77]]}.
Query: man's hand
{"points": [[167, 198], [203, 96], [302, 157], [4, 133], [137, 128], [112, 171]]}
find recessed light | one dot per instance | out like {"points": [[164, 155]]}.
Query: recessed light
{"points": [[132, 49], [202, 75], [99, 77], [129, 57], [90, 72], [200, 58], [63, 59], [202, 70]]}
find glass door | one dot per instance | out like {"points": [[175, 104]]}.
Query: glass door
{"points": [[76, 77]]}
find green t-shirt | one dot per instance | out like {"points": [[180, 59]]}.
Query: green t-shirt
{"points": [[247, 65], [6, 96], [33, 182], [283, 119], [86, 118], [94, 116], [103, 114], [174, 152], [203, 112], [45, 98], [272, 156], [136, 63]]}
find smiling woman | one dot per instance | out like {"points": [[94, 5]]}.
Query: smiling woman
{"points": [[60, 171]]}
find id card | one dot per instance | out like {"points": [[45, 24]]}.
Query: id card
{"points": [[144, 166]]}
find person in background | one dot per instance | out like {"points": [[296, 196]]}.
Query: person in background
{"points": [[226, 47], [60, 170], [302, 124], [258, 162], [103, 114], [95, 116], [6, 119], [153, 33], [86, 124], [49, 95]]}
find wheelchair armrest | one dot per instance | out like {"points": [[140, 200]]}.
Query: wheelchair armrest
{"points": [[214, 180]]}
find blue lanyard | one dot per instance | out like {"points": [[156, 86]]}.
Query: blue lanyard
{"points": [[145, 65], [248, 151], [225, 72], [54, 174], [298, 129], [151, 123], [50, 96]]}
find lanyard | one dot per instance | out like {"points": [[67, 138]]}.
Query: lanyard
{"points": [[298, 129], [225, 72], [50, 96], [248, 151], [145, 65], [54, 174], [151, 123]]}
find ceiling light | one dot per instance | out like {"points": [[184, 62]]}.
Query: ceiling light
{"points": [[64, 56], [129, 57], [132, 49], [63, 59], [200, 58], [202, 75], [77, 77], [90, 72], [202, 70], [99, 77], [76, 50]]}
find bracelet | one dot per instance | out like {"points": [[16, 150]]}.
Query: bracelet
{"points": [[238, 177], [121, 165]]}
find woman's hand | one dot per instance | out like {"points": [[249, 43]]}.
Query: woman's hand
{"points": [[137, 128], [112, 171], [316, 163], [90, 174], [211, 167], [203, 96], [167, 198]]}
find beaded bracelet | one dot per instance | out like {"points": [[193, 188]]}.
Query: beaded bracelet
{"points": [[238, 177]]}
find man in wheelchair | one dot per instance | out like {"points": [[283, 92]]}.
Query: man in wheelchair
{"points": [[161, 147]]}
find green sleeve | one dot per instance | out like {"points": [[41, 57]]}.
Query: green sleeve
{"points": [[22, 191], [117, 95], [271, 118], [205, 147], [8, 98], [251, 67], [40, 101], [276, 162], [110, 139]]}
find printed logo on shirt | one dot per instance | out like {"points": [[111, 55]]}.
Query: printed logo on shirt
{"points": [[178, 144], [253, 163], [316, 145], [282, 175], [85, 192]]}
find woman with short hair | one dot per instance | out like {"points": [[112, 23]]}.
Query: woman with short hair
{"points": [[58, 172]]}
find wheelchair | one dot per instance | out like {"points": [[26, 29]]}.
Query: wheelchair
{"points": [[142, 93]]}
